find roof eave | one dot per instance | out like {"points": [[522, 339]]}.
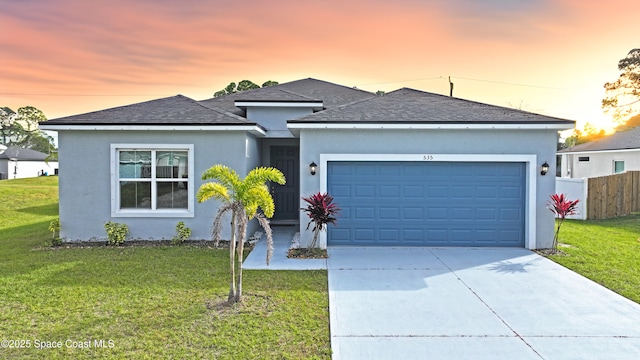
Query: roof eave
{"points": [[252, 128], [431, 125], [316, 105]]}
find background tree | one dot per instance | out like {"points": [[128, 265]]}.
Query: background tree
{"points": [[243, 198], [7, 124], [243, 85], [632, 122], [21, 129], [623, 95], [587, 134]]}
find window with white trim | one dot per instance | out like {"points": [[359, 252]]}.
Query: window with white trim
{"points": [[152, 180], [618, 166]]}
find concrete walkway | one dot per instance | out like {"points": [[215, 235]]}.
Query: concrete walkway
{"points": [[282, 236], [468, 303]]}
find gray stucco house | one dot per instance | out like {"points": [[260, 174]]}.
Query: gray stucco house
{"points": [[613, 154], [408, 168]]}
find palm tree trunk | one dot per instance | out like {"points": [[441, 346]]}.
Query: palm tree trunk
{"points": [[232, 254], [239, 282]]}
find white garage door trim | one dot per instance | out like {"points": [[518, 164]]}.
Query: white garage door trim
{"points": [[530, 186]]}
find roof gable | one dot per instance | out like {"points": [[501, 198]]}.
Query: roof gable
{"points": [[332, 95], [625, 140], [175, 110], [413, 106]]}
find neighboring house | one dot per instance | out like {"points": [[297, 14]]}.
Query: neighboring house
{"points": [[613, 154], [408, 168], [18, 163]]}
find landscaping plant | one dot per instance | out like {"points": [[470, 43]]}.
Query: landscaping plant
{"points": [[242, 198], [116, 233], [322, 211], [182, 233], [561, 207], [54, 227]]}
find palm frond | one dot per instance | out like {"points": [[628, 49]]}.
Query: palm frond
{"points": [[259, 197], [260, 175], [224, 175], [213, 190], [217, 223], [267, 230]]}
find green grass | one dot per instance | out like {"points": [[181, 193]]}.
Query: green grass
{"points": [[152, 302], [605, 251]]}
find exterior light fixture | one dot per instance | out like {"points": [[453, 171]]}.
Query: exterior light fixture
{"points": [[313, 167], [545, 169]]}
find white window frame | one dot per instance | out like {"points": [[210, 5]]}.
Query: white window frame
{"points": [[614, 167], [116, 211]]}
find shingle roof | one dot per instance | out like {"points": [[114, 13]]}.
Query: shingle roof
{"points": [[414, 106], [629, 139], [13, 152], [175, 110], [332, 95]]}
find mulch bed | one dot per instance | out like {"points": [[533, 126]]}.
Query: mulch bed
{"points": [[223, 244], [304, 253]]}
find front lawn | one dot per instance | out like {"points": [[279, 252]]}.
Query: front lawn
{"points": [[142, 302], [605, 251]]}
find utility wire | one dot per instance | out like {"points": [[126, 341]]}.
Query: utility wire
{"points": [[401, 81], [514, 84], [472, 79]]}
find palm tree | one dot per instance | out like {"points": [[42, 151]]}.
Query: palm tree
{"points": [[243, 198]]}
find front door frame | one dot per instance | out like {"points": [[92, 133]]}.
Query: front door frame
{"points": [[292, 175]]}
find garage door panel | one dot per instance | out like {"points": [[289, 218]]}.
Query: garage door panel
{"points": [[392, 191], [364, 213], [389, 213], [435, 204], [365, 191]]}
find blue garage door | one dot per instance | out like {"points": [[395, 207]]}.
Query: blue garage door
{"points": [[428, 203]]}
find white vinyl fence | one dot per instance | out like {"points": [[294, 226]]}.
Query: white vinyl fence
{"points": [[574, 189]]}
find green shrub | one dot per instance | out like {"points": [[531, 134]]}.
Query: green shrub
{"points": [[182, 234], [54, 227], [116, 233]]}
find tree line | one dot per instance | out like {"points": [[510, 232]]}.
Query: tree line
{"points": [[622, 101], [21, 129]]}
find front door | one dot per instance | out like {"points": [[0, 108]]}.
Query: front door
{"points": [[286, 197]]}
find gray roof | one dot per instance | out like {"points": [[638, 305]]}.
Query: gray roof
{"points": [[175, 110], [414, 106], [629, 139], [13, 152], [332, 95]]}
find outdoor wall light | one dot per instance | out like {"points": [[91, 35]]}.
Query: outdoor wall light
{"points": [[545, 169], [313, 167]]}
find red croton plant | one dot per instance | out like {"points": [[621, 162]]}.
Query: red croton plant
{"points": [[322, 211], [561, 207]]}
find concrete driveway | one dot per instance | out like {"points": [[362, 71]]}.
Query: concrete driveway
{"points": [[470, 303]]}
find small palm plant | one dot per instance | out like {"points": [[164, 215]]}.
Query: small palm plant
{"points": [[561, 207], [243, 198], [322, 211]]}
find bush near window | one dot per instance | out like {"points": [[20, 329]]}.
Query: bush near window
{"points": [[182, 233], [116, 233]]}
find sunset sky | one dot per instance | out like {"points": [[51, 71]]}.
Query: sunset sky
{"points": [[552, 57]]}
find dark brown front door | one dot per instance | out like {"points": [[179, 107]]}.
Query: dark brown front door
{"points": [[286, 197]]}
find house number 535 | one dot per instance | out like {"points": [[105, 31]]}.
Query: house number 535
{"points": [[427, 157]]}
